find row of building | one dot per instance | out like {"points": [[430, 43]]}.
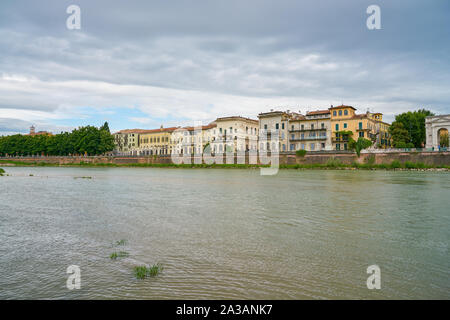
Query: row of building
{"points": [[329, 129]]}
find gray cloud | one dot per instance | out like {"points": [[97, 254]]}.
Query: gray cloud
{"points": [[201, 57]]}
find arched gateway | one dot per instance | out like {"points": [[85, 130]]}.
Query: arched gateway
{"points": [[436, 126]]}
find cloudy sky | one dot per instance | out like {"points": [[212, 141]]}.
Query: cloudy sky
{"points": [[140, 64]]}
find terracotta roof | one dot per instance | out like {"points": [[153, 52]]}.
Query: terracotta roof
{"points": [[342, 106], [317, 112], [298, 117], [236, 118], [360, 116], [142, 131], [209, 126], [264, 114]]}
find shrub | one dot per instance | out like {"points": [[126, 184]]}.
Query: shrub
{"points": [[142, 272], [300, 153], [410, 145], [121, 254], [333, 163], [396, 164], [400, 145], [370, 160], [2, 171]]}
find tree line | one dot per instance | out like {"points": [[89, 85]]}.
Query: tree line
{"points": [[88, 140], [408, 129]]}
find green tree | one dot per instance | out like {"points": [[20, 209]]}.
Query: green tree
{"points": [[360, 144], [399, 134], [89, 140], [414, 123], [443, 140]]}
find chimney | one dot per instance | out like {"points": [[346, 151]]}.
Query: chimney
{"points": [[32, 130], [271, 110]]}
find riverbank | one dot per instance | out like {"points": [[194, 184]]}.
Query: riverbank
{"points": [[331, 164]]}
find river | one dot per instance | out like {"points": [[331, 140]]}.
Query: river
{"points": [[224, 233]]}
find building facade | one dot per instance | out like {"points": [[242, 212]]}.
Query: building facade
{"points": [[193, 140], [437, 128], [234, 134], [274, 123], [311, 132], [127, 141], [346, 124], [156, 141]]}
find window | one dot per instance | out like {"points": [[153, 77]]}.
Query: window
{"points": [[282, 135], [302, 146], [360, 125], [277, 126], [334, 113], [340, 112], [345, 146], [303, 136], [292, 127], [303, 127], [312, 146], [312, 127], [292, 137], [284, 147], [337, 126], [282, 126], [361, 134], [220, 130], [323, 145], [323, 125], [345, 126], [345, 112], [338, 146], [265, 126], [292, 147]]}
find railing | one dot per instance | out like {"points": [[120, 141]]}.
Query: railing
{"points": [[309, 138], [306, 129]]}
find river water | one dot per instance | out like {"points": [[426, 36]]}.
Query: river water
{"points": [[224, 233]]}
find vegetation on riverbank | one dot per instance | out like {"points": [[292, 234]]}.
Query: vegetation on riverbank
{"points": [[2, 171], [120, 254], [142, 272], [88, 140], [330, 164]]}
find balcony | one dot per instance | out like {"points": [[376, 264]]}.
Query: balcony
{"points": [[340, 139], [309, 138], [306, 129]]}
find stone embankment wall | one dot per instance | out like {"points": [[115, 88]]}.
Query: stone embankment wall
{"points": [[429, 158]]}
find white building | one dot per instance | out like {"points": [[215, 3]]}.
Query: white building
{"points": [[234, 134], [311, 132], [275, 122], [435, 127]]}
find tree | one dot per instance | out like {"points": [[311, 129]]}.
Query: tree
{"points": [[443, 140], [414, 124], [399, 134], [84, 140], [360, 144]]}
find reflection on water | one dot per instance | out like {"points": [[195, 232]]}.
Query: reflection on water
{"points": [[229, 234]]}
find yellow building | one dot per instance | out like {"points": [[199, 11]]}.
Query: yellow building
{"points": [[346, 124], [156, 141], [127, 141]]}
